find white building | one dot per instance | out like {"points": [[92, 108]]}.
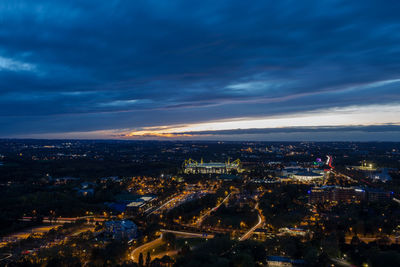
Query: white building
{"points": [[308, 176]]}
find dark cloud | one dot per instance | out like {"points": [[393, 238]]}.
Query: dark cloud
{"points": [[325, 129], [72, 66], [386, 132]]}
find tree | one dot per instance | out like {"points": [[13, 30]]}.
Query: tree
{"points": [[185, 249], [243, 260], [385, 258], [331, 246], [129, 264], [148, 259], [115, 251], [311, 256], [97, 256], [170, 238], [140, 260], [355, 241]]}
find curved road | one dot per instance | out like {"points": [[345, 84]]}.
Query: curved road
{"points": [[157, 242], [250, 232], [258, 225], [136, 252], [5, 257]]}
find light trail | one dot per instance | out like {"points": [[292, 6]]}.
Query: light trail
{"points": [[152, 244], [201, 219], [163, 205], [202, 235], [136, 252], [248, 234], [259, 224]]}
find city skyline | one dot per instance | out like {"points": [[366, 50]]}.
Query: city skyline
{"points": [[312, 71]]}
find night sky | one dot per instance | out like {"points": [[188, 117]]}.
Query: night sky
{"points": [[216, 70]]}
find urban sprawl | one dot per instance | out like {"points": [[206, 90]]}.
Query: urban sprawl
{"points": [[154, 203]]}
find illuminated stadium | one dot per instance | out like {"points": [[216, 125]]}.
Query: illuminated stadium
{"points": [[192, 166], [308, 176]]}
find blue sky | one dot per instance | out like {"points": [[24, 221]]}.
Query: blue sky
{"points": [[234, 70]]}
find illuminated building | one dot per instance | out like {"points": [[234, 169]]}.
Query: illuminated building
{"points": [[139, 204], [293, 231], [279, 261], [308, 176], [336, 194], [192, 166], [123, 229], [347, 194], [302, 175]]}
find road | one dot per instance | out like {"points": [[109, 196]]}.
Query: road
{"points": [[201, 219], [5, 257], [258, 225], [84, 229], [148, 246], [176, 200], [187, 234], [61, 220], [157, 242], [250, 232], [26, 233], [29, 247], [345, 176], [163, 205], [44, 228], [342, 262]]}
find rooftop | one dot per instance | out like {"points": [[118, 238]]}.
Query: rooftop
{"points": [[308, 174], [209, 165]]}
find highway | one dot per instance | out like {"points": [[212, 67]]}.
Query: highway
{"points": [[26, 233], [15, 252], [163, 205], [174, 201], [61, 220], [187, 234]]}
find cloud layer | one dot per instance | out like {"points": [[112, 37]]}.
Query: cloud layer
{"points": [[108, 66]]}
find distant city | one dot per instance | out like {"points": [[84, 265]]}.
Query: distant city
{"points": [[167, 203]]}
